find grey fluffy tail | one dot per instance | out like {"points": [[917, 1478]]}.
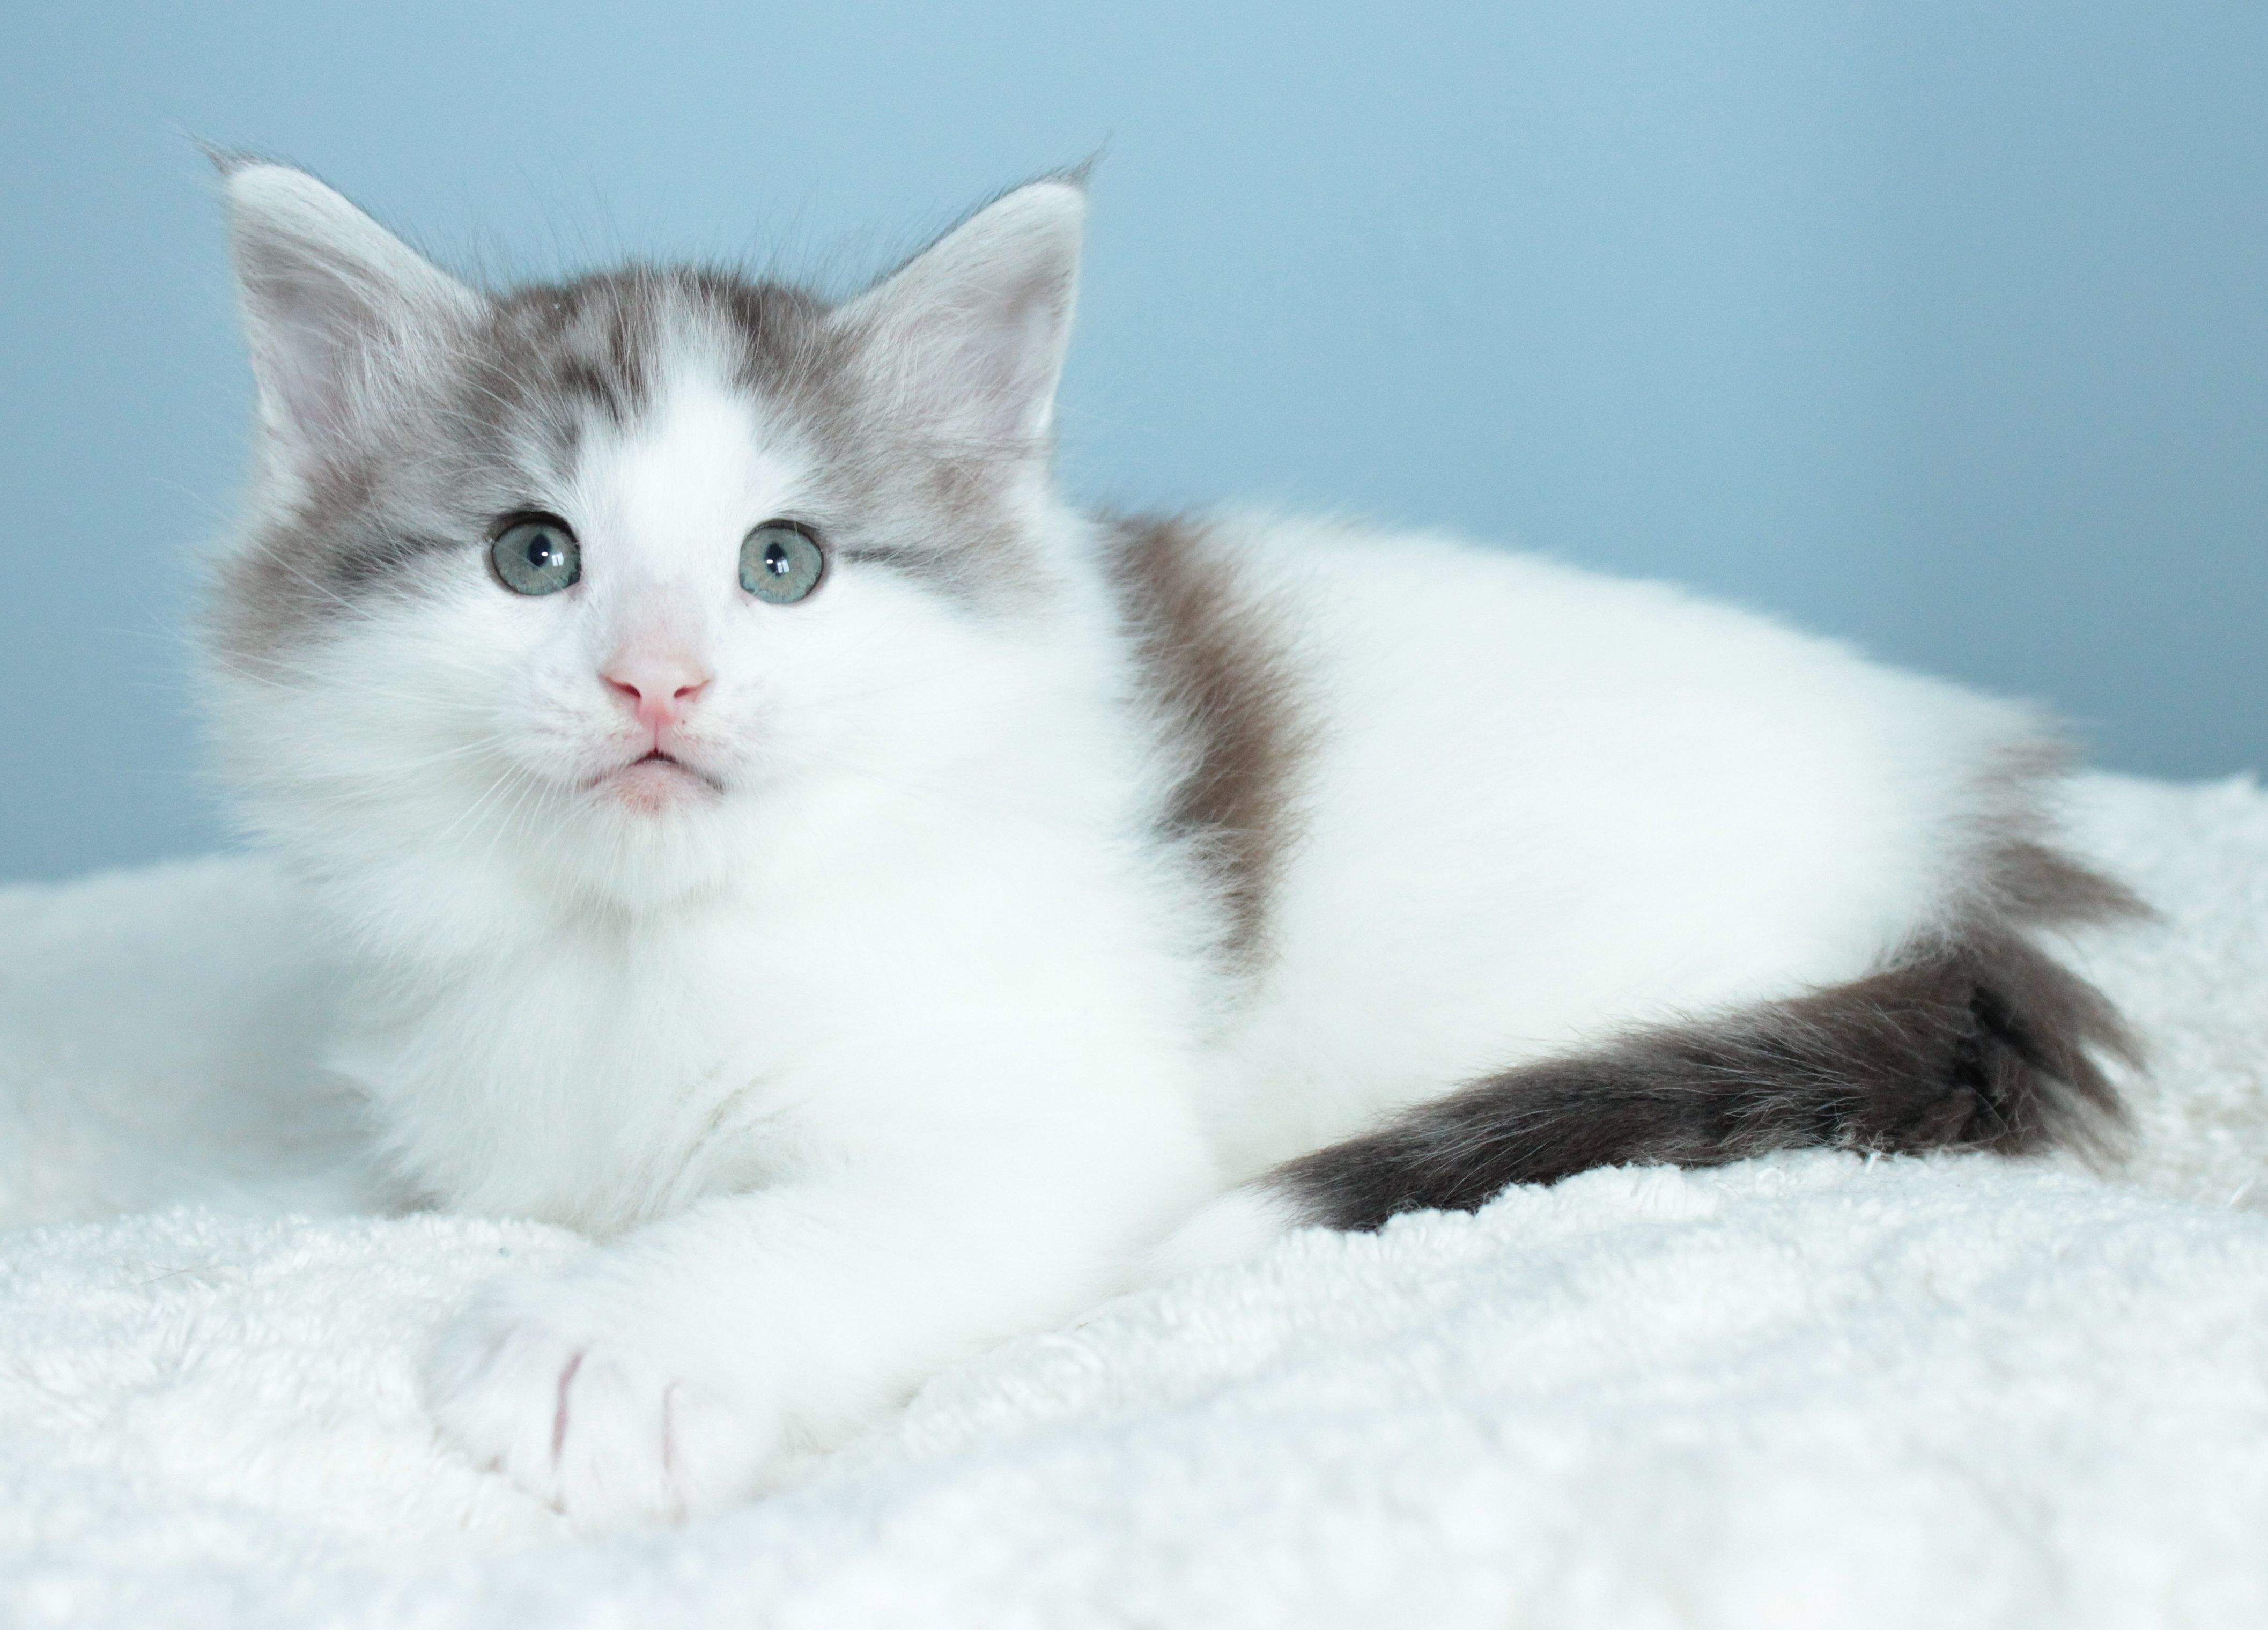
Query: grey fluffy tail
{"points": [[1978, 1040]]}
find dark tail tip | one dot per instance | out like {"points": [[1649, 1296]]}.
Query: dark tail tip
{"points": [[1983, 1041]]}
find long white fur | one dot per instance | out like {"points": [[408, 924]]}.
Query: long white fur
{"points": [[914, 1039]]}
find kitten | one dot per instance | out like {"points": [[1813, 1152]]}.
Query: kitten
{"points": [[889, 908]]}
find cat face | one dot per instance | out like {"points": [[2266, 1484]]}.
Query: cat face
{"points": [[593, 580]]}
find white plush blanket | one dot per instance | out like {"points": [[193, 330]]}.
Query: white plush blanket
{"points": [[1811, 1391]]}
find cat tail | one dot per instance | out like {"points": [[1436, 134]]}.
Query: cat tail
{"points": [[1974, 1038]]}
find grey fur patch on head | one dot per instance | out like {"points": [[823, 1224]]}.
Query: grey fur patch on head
{"points": [[496, 420], [1218, 668], [1973, 1038]]}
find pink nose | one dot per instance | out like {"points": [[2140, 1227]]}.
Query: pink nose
{"points": [[660, 687]]}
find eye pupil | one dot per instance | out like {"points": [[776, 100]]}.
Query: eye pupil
{"points": [[775, 560], [540, 552]]}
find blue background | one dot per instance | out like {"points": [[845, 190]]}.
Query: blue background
{"points": [[1942, 327]]}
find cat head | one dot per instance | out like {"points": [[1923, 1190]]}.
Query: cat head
{"points": [[586, 582]]}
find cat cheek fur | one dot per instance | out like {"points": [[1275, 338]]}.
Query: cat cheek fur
{"points": [[1066, 872]]}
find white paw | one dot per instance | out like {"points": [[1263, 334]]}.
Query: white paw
{"points": [[567, 1386]]}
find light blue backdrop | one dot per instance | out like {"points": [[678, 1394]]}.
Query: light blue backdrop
{"points": [[1940, 327]]}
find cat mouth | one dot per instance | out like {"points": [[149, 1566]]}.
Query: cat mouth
{"points": [[653, 779]]}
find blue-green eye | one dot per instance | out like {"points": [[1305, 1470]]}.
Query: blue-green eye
{"points": [[536, 555], [781, 562]]}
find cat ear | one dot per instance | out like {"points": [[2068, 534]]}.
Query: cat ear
{"points": [[337, 308], [968, 335]]}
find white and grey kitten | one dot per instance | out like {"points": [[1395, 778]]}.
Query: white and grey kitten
{"points": [[887, 908]]}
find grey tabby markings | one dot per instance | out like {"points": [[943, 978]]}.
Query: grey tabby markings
{"points": [[546, 363], [1974, 1039], [1221, 675]]}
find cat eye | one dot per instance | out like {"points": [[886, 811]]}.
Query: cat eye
{"points": [[781, 562], [536, 555]]}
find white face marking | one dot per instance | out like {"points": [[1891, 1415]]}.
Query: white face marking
{"points": [[658, 614], [666, 504], [644, 728], [651, 652]]}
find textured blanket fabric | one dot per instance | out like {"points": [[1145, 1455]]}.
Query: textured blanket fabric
{"points": [[1811, 1391]]}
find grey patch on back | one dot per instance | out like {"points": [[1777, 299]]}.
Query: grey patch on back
{"points": [[1972, 1038], [1221, 672]]}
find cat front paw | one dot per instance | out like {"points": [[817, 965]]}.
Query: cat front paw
{"points": [[567, 1387]]}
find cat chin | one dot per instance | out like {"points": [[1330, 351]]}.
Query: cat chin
{"points": [[641, 867], [648, 845]]}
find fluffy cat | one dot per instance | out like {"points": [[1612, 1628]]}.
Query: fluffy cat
{"points": [[888, 908]]}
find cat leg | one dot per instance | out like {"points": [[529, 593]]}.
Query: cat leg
{"points": [[676, 1369]]}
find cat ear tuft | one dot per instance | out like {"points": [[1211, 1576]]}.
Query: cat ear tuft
{"points": [[336, 307], [969, 334]]}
